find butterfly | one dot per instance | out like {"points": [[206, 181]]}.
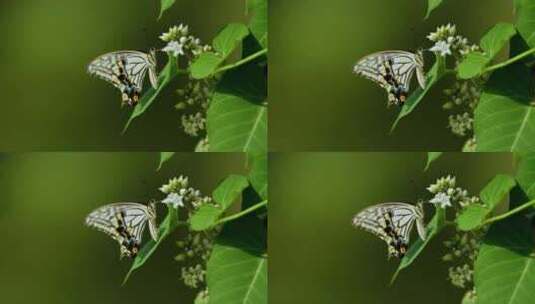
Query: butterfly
{"points": [[126, 71], [392, 222], [393, 70], [125, 223]]}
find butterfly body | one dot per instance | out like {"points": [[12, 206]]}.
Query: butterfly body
{"points": [[393, 71], [125, 223], [392, 222], [126, 71]]}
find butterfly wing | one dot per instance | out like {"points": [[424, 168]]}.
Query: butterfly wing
{"points": [[126, 70], [391, 222], [124, 222], [393, 71]]}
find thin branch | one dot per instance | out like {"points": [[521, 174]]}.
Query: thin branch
{"points": [[242, 213], [508, 62], [509, 213], [242, 62]]}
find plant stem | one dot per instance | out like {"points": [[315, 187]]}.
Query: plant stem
{"points": [[509, 213], [243, 61], [511, 60], [242, 213]]}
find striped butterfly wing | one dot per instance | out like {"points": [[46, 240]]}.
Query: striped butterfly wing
{"points": [[393, 71], [125, 223], [392, 222], [126, 70]]}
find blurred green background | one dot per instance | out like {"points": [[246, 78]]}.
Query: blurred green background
{"points": [[49, 256], [50, 103], [316, 256], [319, 105]]}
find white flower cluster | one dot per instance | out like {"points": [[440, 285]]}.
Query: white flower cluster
{"points": [[181, 43], [447, 42], [447, 194], [462, 99], [195, 99], [179, 194], [195, 247]]}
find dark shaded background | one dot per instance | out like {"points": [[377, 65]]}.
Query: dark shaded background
{"points": [[316, 256], [48, 255], [48, 100], [319, 105]]}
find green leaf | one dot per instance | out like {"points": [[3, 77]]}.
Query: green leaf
{"points": [[205, 65], [525, 20], [526, 174], [237, 268], [205, 218], [491, 44], [165, 5], [436, 224], [258, 173], [229, 38], [494, 192], [472, 217], [169, 72], [496, 38], [431, 6], [505, 267], [224, 44], [164, 157], [472, 65], [436, 72], [235, 125], [504, 117], [225, 194], [431, 157], [229, 190], [169, 224], [259, 21], [237, 117]]}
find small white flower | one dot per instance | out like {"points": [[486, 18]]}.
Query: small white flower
{"points": [[441, 199], [174, 199], [174, 48], [441, 47]]}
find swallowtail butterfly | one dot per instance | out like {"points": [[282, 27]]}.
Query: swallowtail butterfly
{"points": [[126, 71], [125, 223], [392, 222], [393, 70]]}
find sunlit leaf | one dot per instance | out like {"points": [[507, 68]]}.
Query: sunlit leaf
{"points": [[431, 6], [258, 173], [525, 175], [224, 195], [259, 20], [505, 267], [431, 157], [229, 190], [237, 268], [229, 38], [164, 157], [205, 218], [473, 216], [525, 20], [165, 5], [505, 116], [226, 41], [237, 117], [491, 44]]}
